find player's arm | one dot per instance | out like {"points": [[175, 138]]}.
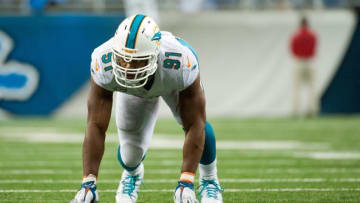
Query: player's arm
{"points": [[192, 112], [99, 113]]}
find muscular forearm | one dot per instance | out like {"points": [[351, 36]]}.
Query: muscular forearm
{"points": [[93, 150], [193, 148]]}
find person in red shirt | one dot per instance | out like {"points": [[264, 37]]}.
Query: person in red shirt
{"points": [[303, 48]]}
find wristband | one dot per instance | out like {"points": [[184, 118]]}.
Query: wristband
{"points": [[187, 177], [88, 178]]}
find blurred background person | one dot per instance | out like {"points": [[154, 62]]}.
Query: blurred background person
{"points": [[303, 48], [191, 6], [40, 5]]}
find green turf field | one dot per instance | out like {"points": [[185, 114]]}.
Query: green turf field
{"points": [[259, 160]]}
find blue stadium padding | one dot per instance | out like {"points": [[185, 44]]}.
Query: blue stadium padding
{"points": [[59, 47], [343, 94], [209, 153], [123, 164]]}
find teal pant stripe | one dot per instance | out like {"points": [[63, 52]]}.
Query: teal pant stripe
{"points": [[209, 153], [123, 164]]}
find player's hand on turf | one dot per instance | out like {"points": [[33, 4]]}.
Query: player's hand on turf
{"points": [[87, 192], [184, 193]]}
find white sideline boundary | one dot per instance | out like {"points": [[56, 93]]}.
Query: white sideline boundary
{"points": [[224, 180], [226, 190]]}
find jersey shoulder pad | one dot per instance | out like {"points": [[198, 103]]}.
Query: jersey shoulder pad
{"points": [[180, 58], [101, 68], [190, 66]]}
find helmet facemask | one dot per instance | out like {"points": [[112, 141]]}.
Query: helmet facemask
{"points": [[135, 76]]}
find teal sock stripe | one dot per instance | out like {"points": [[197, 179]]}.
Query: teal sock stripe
{"points": [[134, 29], [123, 164], [209, 153]]}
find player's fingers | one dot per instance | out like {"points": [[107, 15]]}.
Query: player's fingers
{"points": [[80, 196], [90, 196], [188, 200]]}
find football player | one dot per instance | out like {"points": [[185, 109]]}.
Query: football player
{"points": [[138, 65]]}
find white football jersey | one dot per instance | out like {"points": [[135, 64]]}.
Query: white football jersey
{"points": [[177, 68]]}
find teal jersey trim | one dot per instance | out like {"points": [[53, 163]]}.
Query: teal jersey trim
{"points": [[167, 54], [185, 44], [108, 68], [134, 29]]}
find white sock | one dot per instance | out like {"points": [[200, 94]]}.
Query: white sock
{"points": [[136, 171], [208, 171]]}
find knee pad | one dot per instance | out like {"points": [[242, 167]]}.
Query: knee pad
{"points": [[132, 157]]}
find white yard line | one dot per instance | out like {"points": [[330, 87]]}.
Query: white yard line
{"points": [[329, 155], [169, 162], [175, 171], [224, 180], [164, 141], [226, 190]]}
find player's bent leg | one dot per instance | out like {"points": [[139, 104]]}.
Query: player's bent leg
{"points": [[207, 167], [210, 190], [135, 120], [130, 157]]}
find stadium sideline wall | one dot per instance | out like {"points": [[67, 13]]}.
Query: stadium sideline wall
{"points": [[59, 47], [245, 62]]}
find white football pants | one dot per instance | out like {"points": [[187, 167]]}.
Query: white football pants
{"points": [[135, 120]]}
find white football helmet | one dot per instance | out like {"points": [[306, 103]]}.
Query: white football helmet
{"points": [[137, 38]]}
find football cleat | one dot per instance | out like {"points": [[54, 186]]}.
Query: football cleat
{"points": [[210, 191], [128, 189], [87, 192], [184, 193]]}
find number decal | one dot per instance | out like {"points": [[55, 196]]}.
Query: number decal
{"points": [[172, 63], [106, 58]]}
